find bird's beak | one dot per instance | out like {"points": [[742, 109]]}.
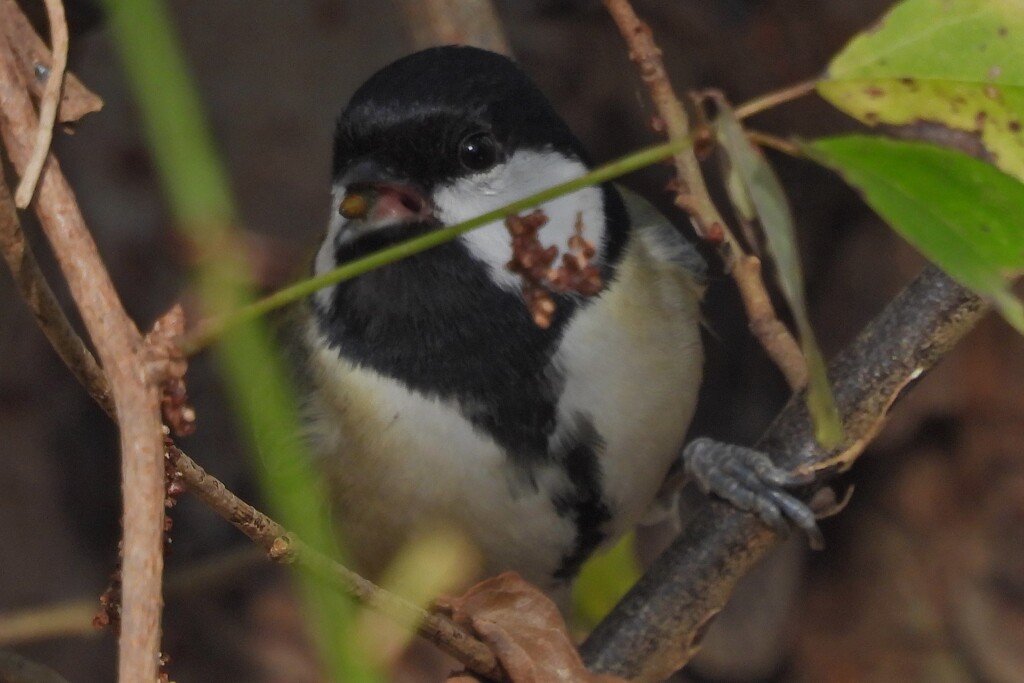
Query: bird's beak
{"points": [[375, 196]]}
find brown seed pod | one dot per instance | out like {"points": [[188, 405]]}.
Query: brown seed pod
{"points": [[532, 261]]}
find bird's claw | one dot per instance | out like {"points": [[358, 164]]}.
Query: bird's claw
{"points": [[750, 481]]}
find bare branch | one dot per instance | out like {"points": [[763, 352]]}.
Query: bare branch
{"points": [[117, 341], [32, 286], [692, 196], [775, 98], [31, 52], [48, 105], [283, 546], [646, 636]]}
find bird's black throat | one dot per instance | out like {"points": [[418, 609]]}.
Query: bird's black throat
{"points": [[439, 324]]}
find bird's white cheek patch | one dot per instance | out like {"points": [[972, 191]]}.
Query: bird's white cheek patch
{"points": [[525, 173], [325, 260]]}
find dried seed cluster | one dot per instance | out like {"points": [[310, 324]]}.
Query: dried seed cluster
{"points": [[532, 261]]}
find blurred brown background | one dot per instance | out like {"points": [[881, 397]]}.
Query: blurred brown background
{"points": [[923, 577]]}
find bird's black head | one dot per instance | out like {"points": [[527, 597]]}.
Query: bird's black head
{"points": [[448, 112], [445, 135], [434, 139]]}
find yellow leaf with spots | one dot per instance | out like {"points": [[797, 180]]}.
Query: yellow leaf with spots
{"points": [[956, 63]]}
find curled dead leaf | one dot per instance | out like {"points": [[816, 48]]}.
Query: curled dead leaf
{"points": [[525, 630]]}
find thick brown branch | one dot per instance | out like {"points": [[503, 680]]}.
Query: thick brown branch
{"points": [[693, 197], [117, 342], [282, 546], [645, 637]]}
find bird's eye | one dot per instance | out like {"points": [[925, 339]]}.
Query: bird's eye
{"points": [[478, 152]]}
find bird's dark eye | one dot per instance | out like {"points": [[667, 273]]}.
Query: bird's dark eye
{"points": [[478, 152]]}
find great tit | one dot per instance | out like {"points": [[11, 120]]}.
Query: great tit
{"points": [[435, 397]]}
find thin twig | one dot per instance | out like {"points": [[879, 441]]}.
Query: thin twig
{"points": [[766, 327], [118, 342], [693, 197], [49, 104], [74, 618], [209, 330], [41, 300], [646, 636], [282, 546], [31, 52], [775, 98], [774, 142], [450, 638]]}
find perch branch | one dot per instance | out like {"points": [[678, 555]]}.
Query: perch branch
{"points": [[646, 636], [692, 196], [49, 103], [282, 546], [117, 342]]}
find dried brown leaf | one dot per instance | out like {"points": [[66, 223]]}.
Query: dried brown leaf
{"points": [[525, 630]]}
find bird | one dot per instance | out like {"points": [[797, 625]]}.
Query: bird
{"points": [[434, 396]]}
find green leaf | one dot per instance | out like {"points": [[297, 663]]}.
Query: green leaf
{"points": [[602, 582], [199, 196], [769, 200], [963, 214], [959, 63]]}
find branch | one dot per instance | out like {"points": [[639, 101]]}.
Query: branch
{"points": [[41, 300], [655, 628], [74, 618], [117, 341], [692, 196], [775, 98], [283, 546], [32, 56], [49, 103]]}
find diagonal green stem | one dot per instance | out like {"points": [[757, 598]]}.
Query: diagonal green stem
{"points": [[209, 331]]}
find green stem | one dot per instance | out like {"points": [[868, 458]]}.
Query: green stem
{"points": [[209, 331]]}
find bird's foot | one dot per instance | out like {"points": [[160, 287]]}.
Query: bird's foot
{"points": [[750, 481]]}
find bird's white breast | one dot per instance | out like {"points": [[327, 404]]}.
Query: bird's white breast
{"points": [[632, 361], [401, 461]]}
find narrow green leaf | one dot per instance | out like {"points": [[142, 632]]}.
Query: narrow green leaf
{"points": [[214, 327], [198, 191], [959, 63], [769, 200], [963, 214]]}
